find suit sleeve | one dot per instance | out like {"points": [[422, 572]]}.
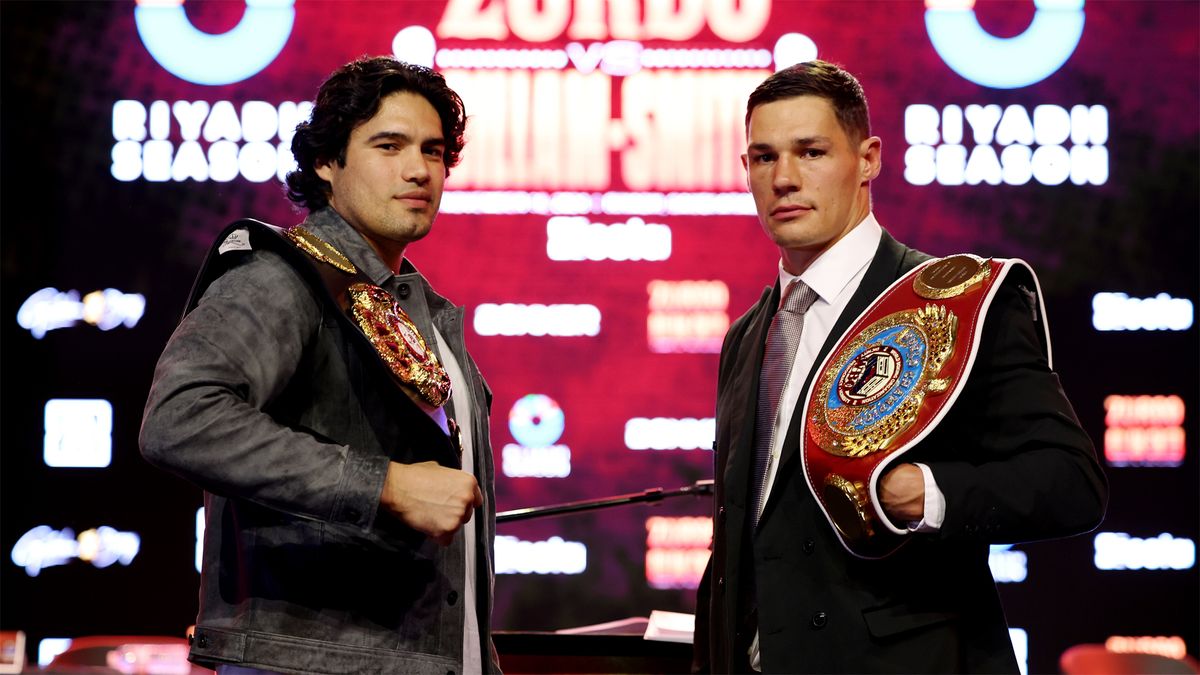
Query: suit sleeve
{"points": [[227, 361], [1015, 465], [703, 636], [700, 638]]}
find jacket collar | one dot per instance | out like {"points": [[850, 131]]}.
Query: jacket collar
{"points": [[329, 225]]}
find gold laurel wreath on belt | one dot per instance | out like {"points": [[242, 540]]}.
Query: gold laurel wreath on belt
{"points": [[386, 325]]}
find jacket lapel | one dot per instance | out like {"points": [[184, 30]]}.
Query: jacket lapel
{"points": [[741, 397]]}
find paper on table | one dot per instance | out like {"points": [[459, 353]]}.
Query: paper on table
{"points": [[671, 627], [631, 626]]}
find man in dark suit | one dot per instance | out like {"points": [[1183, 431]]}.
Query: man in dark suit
{"points": [[1008, 463]]}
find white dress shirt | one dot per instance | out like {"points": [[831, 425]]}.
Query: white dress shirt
{"points": [[460, 397]]}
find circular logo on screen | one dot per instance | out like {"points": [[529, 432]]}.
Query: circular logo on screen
{"points": [[536, 421], [204, 58], [1010, 62]]}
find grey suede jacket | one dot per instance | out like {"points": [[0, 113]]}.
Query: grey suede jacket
{"points": [[269, 399]]}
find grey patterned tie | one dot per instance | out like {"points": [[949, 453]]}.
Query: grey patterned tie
{"points": [[783, 338]]}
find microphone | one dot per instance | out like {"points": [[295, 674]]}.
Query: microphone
{"points": [[698, 489]]}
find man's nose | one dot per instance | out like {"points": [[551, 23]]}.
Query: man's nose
{"points": [[785, 178], [416, 167]]}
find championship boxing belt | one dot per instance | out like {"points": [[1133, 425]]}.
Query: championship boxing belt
{"points": [[892, 377]]}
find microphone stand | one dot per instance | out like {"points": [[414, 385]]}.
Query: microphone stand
{"points": [[698, 489]]}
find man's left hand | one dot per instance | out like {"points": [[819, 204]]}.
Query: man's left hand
{"points": [[902, 493]]}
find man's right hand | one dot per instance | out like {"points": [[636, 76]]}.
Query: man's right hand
{"points": [[431, 498]]}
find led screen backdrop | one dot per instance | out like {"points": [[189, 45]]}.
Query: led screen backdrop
{"points": [[599, 234]]}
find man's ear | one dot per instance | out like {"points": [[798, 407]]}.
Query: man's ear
{"points": [[324, 169], [870, 153], [746, 166]]}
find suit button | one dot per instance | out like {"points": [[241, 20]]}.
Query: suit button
{"points": [[819, 620], [202, 641], [720, 581], [451, 598], [809, 546], [721, 512], [405, 290]]}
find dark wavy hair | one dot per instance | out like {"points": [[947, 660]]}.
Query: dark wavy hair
{"points": [[350, 97], [818, 78]]}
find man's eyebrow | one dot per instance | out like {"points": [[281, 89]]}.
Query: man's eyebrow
{"points": [[809, 140], [801, 140], [389, 135], [403, 137]]}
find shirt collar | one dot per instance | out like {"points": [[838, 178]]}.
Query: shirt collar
{"points": [[330, 226], [833, 270]]}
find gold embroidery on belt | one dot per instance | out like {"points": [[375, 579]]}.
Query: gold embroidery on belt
{"points": [[861, 427], [319, 248], [395, 337]]}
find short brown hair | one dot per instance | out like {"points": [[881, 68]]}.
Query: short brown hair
{"points": [[825, 80]]}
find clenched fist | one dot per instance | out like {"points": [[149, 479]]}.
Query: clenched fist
{"points": [[902, 493], [430, 498]]}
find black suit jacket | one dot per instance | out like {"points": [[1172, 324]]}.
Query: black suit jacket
{"points": [[1011, 459]]}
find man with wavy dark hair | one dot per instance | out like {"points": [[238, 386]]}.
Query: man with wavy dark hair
{"points": [[319, 391], [351, 97]]}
